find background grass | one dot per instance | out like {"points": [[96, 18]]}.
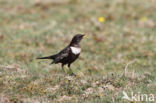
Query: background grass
{"points": [[34, 28]]}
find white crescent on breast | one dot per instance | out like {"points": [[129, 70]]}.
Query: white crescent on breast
{"points": [[75, 50]]}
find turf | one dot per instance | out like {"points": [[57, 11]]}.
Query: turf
{"points": [[118, 55]]}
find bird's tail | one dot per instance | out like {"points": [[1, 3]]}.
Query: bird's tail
{"points": [[48, 57]]}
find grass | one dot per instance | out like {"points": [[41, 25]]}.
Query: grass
{"points": [[125, 40]]}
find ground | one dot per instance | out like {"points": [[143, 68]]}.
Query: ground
{"points": [[118, 55]]}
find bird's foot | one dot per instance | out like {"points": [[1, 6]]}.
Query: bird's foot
{"points": [[73, 74]]}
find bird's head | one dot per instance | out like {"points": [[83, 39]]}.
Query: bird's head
{"points": [[77, 38]]}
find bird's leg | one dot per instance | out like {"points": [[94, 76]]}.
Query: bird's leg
{"points": [[71, 70], [63, 68]]}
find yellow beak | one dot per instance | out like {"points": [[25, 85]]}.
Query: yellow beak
{"points": [[85, 35]]}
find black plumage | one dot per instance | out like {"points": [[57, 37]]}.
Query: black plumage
{"points": [[69, 54]]}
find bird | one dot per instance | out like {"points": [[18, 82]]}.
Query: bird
{"points": [[69, 54]]}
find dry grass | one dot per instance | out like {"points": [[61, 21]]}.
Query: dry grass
{"points": [[118, 55]]}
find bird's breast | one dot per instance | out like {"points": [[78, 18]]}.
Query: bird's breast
{"points": [[75, 50]]}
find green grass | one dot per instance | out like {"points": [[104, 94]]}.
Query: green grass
{"points": [[30, 29]]}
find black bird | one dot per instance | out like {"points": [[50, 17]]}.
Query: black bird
{"points": [[69, 54]]}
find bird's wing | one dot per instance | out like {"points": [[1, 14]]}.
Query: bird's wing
{"points": [[62, 54]]}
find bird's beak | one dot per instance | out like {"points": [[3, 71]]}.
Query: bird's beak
{"points": [[85, 35]]}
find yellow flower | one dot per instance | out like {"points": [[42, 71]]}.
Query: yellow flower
{"points": [[101, 19], [143, 19]]}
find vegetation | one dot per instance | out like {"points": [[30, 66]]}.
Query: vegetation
{"points": [[118, 55]]}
